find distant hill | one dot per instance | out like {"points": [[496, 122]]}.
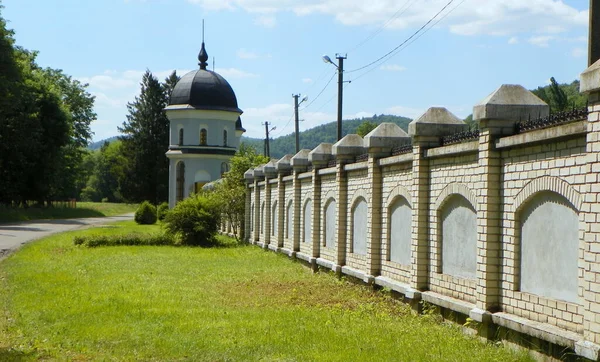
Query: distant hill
{"points": [[326, 133], [97, 145]]}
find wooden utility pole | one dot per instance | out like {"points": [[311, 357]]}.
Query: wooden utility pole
{"points": [[267, 130], [594, 34]]}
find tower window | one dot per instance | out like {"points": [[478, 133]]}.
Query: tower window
{"points": [[224, 168], [203, 137], [180, 181], [225, 138], [181, 137]]}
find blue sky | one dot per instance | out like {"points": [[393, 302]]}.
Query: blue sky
{"points": [[271, 49]]}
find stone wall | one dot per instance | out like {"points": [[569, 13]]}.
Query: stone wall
{"points": [[501, 226]]}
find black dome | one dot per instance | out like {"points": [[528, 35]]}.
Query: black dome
{"points": [[204, 89]]}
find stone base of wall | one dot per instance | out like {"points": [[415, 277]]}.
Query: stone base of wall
{"points": [[543, 341]]}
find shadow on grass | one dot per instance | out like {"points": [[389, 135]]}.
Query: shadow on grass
{"points": [[35, 213], [10, 355]]}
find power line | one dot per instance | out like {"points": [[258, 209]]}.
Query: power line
{"points": [[413, 40], [396, 15], [321, 92], [404, 42]]}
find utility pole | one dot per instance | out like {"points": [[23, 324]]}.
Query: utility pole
{"points": [[594, 35], [296, 104], [340, 67], [267, 130]]}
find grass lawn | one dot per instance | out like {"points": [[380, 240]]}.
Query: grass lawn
{"points": [[61, 302], [83, 209]]}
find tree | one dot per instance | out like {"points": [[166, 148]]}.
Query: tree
{"points": [[364, 128], [145, 141], [231, 191]]}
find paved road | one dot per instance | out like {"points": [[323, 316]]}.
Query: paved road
{"points": [[13, 235]]}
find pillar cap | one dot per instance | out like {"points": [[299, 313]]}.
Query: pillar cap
{"points": [[259, 171], [436, 122], [300, 160], [249, 175], [590, 79], [385, 137], [510, 102], [320, 156], [270, 169], [284, 164], [350, 146]]}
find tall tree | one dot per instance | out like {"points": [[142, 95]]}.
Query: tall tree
{"points": [[145, 141]]}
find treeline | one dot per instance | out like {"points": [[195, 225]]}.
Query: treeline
{"points": [[134, 168], [45, 118], [326, 133]]}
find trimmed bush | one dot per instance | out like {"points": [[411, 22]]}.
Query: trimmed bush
{"points": [[162, 210], [145, 214], [126, 239], [194, 221]]}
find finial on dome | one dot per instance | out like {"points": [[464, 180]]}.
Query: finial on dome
{"points": [[203, 58]]}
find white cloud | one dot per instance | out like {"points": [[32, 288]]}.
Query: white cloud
{"points": [[245, 54], [404, 111], [392, 68], [235, 73], [307, 80], [107, 82], [267, 21], [541, 41], [579, 52], [491, 17], [513, 40]]}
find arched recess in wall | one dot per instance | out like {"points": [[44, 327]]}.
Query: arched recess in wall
{"points": [[547, 225], [330, 222], [457, 231], [289, 221], [262, 218], [307, 221], [359, 218], [203, 136], [274, 222], [252, 217], [180, 181], [201, 178], [225, 139], [399, 226]]}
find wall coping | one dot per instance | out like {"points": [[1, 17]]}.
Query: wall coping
{"points": [[544, 134], [273, 181], [305, 175], [455, 149], [287, 178], [261, 183], [356, 166], [392, 160], [327, 171]]}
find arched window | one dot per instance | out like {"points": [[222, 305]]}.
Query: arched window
{"points": [[180, 181], [224, 168], [225, 137], [289, 222], [203, 137], [181, 137]]}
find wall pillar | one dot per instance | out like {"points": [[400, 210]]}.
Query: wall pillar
{"points": [[299, 164], [258, 175], [284, 168], [589, 218]]}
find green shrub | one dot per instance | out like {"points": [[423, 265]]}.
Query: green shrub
{"points": [[162, 210], [145, 214], [125, 239], [194, 221]]}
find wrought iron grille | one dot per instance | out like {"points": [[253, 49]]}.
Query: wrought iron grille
{"points": [[402, 149], [361, 158], [460, 137], [331, 163], [576, 114]]}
